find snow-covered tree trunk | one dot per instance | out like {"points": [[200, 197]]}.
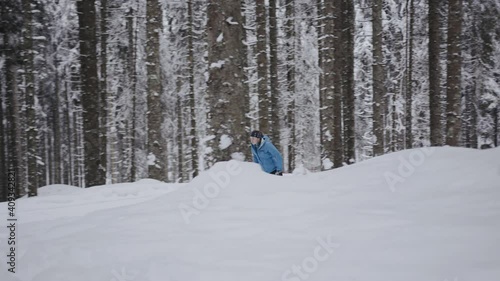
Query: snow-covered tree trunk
{"points": [[11, 23], [434, 74], [32, 130], [335, 45], [104, 126], [290, 47], [454, 61], [193, 138], [328, 98], [262, 67], [156, 145], [348, 95], [378, 79], [409, 69], [273, 73], [132, 76], [227, 93], [58, 122], [94, 171]]}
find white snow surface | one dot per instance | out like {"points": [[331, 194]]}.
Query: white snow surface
{"points": [[441, 222]]}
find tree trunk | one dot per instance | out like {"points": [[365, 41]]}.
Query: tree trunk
{"points": [[409, 71], [262, 66], [31, 130], [328, 96], [434, 74], [132, 74], [227, 93], [193, 145], [69, 137], [348, 94], [378, 79], [156, 143], [94, 170], [290, 77], [57, 167], [12, 114], [103, 96], [180, 133], [453, 89], [273, 47], [338, 66]]}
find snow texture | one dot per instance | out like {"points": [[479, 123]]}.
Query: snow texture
{"points": [[225, 142], [218, 64], [220, 38], [440, 220]]}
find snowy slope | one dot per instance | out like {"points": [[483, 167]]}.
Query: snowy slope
{"points": [[417, 215]]}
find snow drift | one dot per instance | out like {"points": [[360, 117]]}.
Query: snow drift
{"points": [[417, 215]]}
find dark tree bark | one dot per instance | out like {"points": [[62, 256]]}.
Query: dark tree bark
{"points": [[262, 67], [337, 70], [192, 102], [103, 93], [132, 74], [94, 169], [454, 58], [328, 95], [409, 71], [290, 77], [348, 94], [57, 168], [227, 93], [273, 47], [378, 79], [31, 130], [156, 143], [434, 74], [13, 109]]}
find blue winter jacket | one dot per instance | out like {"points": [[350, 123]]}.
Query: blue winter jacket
{"points": [[267, 156]]}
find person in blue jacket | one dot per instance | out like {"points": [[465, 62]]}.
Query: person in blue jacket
{"points": [[266, 154]]}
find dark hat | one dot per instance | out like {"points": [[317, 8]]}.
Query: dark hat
{"points": [[257, 134]]}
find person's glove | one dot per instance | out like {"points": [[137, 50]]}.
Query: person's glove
{"points": [[278, 173]]}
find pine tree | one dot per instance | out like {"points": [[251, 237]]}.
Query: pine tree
{"points": [[103, 94], [227, 93], [378, 79], [434, 74], [409, 69], [32, 131], [156, 144], [273, 70], [290, 79], [193, 144], [348, 94], [453, 90], [94, 169], [262, 67]]}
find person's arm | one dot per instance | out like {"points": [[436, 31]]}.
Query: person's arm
{"points": [[255, 159], [276, 156]]}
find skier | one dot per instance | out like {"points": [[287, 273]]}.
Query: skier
{"points": [[266, 154]]}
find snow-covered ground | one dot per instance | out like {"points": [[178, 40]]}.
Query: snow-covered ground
{"points": [[417, 215]]}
